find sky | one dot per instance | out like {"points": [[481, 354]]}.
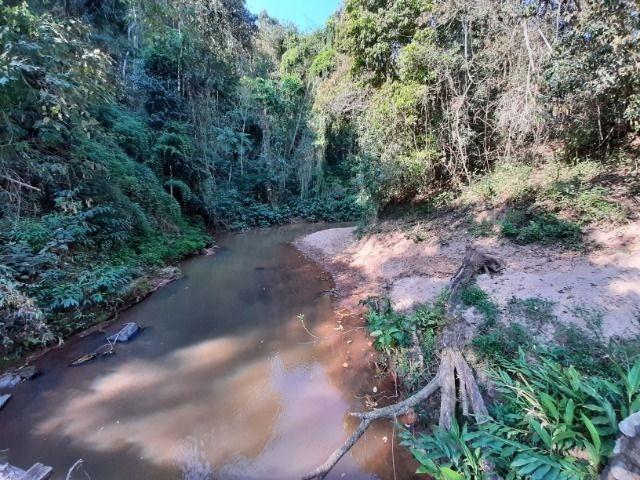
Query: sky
{"points": [[306, 14]]}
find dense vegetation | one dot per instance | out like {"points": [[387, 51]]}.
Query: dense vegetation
{"points": [[556, 403], [127, 129], [130, 129], [440, 91]]}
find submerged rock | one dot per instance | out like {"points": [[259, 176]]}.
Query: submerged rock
{"points": [[209, 251], [3, 400], [9, 380], [27, 373], [9, 472], [125, 334], [37, 471]]}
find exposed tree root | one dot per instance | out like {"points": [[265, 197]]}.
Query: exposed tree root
{"points": [[452, 364]]}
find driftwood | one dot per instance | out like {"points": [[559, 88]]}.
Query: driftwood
{"points": [[452, 340], [126, 333]]}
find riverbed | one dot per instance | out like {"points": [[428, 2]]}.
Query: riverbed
{"points": [[244, 371]]}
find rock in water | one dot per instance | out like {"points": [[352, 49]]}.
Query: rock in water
{"points": [[3, 400], [9, 380], [27, 373], [125, 334]]}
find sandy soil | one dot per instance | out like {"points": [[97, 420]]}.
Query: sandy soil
{"points": [[603, 283]]}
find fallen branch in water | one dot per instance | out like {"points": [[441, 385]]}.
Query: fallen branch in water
{"points": [[301, 318], [452, 361], [73, 467]]}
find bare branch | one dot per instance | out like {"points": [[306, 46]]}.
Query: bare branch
{"points": [[22, 184]]}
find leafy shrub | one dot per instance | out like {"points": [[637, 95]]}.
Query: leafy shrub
{"points": [[394, 332], [590, 81], [330, 209], [389, 328], [430, 316], [545, 228], [324, 63], [584, 348], [130, 132], [547, 417], [21, 321], [586, 202], [503, 342]]}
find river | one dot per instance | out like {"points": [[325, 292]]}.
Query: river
{"points": [[225, 382]]}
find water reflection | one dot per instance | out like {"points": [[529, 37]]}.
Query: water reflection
{"points": [[210, 387], [224, 385]]}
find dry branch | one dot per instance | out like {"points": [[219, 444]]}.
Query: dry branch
{"points": [[452, 362], [391, 411], [19, 183]]}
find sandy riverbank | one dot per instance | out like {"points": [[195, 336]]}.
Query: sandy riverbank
{"points": [[602, 283]]}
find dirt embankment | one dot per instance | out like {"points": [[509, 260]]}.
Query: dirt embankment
{"points": [[601, 285]]}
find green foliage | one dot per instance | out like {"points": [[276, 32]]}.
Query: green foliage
{"points": [[130, 132], [329, 209], [474, 296], [400, 161], [22, 319], [430, 316], [588, 203], [440, 93], [591, 81], [584, 348], [547, 415], [102, 163], [91, 211], [567, 344], [324, 63], [446, 454], [419, 60], [402, 336], [498, 342], [389, 328], [545, 228], [369, 30]]}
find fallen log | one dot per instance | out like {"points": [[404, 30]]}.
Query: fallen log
{"points": [[452, 362]]}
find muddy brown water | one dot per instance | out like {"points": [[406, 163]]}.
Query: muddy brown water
{"points": [[224, 383]]}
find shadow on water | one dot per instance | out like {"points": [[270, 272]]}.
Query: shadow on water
{"points": [[224, 384]]}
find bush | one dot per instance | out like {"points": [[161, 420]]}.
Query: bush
{"points": [[503, 342], [544, 228], [551, 422]]}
